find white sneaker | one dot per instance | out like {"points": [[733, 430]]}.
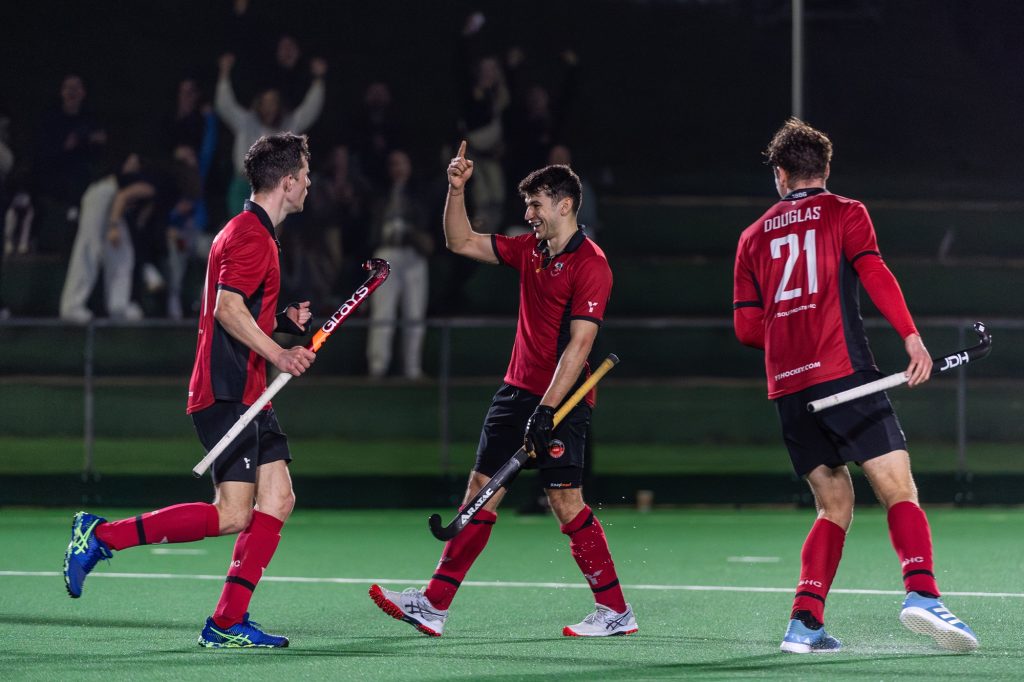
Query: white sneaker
{"points": [[412, 606], [929, 616], [77, 315], [133, 312], [603, 622], [153, 279]]}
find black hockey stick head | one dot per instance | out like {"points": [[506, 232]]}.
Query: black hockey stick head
{"points": [[502, 478], [443, 533], [966, 355], [984, 337]]}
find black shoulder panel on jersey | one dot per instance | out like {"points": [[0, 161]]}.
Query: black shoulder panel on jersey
{"points": [[494, 247]]}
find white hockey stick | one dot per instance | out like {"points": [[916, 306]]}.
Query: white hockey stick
{"points": [[940, 365], [380, 271]]}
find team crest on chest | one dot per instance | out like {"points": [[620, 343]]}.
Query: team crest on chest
{"points": [[556, 269]]}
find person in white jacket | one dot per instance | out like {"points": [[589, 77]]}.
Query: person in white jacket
{"points": [[266, 117]]}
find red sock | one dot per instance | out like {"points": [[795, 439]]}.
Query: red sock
{"points": [[912, 539], [819, 560], [589, 548], [458, 556], [180, 523], [253, 550]]}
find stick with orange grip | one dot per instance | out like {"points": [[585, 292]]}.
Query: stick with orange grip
{"points": [[379, 271]]}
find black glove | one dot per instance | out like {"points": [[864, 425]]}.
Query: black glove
{"points": [[285, 324], [538, 431]]}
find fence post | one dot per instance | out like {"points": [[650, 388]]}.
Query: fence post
{"points": [[89, 435], [443, 399], [961, 407]]}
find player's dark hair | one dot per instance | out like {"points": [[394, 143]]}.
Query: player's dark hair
{"points": [[800, 150], [272, 157], [558, 182]]}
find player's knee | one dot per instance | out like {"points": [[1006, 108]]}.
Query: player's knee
{"points": [[838, 509], [279, 505], [841, 517], [233, 519], [566, 503], [894, 497]]}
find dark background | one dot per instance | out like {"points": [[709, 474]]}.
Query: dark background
{"points": [[922, 99]]}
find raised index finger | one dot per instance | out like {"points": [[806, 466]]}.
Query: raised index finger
{"points": [[462, 150]]}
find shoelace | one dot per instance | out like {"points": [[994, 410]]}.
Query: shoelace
{"points": [[80, 543], [234, 639]]}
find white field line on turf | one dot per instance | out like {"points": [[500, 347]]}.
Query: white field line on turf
{"points": [[481, 583]]}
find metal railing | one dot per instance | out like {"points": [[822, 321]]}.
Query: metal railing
{"points": [[446, 326]]}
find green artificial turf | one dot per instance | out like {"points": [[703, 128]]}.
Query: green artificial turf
{"points": [[711, 591]]}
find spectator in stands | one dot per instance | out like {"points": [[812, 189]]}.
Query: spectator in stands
{"points": [[375, 132], [335, 236], [401, 237], [97, 247], [186, 124], [186, 222], [535, 119], [67, 153], [267, 116], [287, 75], [191, 138], [485, 97]]}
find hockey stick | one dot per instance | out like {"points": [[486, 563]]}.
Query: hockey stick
{"points": [[504, 476], [379, 271], [941, 364]]}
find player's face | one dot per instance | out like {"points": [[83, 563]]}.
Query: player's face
{"points": [[295, 195], [541, 215]]}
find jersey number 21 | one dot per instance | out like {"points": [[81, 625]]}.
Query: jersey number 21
{"points": [[793, 242]]}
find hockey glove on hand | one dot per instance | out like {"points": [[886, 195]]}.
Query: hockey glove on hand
{"points": [[287, 326], [538, 431]]}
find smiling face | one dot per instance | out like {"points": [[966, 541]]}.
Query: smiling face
{"points": [[543, 215]]}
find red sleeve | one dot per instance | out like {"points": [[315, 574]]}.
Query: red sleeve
{"points": [[246, 259], [858, 233], [511, 251], [747, 305], [591, 291], [885, 293], [749, 326], [860, 247]]}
